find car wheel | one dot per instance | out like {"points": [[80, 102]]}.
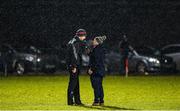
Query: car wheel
{"points": [[20, 69], [141, 68]]}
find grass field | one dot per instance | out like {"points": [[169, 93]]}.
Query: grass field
{"points": [[49, 92]]}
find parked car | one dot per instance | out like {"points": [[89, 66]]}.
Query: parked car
{"points": [[60, 54], [173, 51], [137, 63], [26, 59], [167, 63]]}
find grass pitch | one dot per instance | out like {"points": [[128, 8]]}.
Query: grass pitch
{"points": [[49, 92]]}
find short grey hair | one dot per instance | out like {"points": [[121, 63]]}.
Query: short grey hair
{"points": [[100, 39]]}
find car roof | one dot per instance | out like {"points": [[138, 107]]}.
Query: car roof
{"points": [[171, 45]]}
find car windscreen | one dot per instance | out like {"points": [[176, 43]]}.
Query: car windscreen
{"points": [[146, 51], [171, 49]]}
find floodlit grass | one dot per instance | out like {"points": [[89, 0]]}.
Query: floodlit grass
{"points": [[49, 92]]}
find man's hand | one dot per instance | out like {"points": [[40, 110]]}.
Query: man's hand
{"points": [[87, 51], [90, 72], [74, 70]]}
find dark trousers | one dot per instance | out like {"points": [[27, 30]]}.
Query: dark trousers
{"points": [[123, 64], [73, 95], [96, 82]]}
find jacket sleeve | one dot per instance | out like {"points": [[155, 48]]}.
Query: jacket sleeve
{"points": [[90, 61], [100, 58], [70, 59]]}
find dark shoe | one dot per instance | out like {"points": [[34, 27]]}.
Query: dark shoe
{"points": [[101, 104], [95, 104], [70, 104], [79, 104]]}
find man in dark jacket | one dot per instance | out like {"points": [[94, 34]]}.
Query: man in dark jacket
{"points": [[124, 50], [97, 70], [74, 56]]}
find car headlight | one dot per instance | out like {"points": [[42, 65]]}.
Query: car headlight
{"points": [[38, 59], [29, 58], [154, 60]]}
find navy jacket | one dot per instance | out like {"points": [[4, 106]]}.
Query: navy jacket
{"points": [[97, 60]]}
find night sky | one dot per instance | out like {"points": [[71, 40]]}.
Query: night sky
{"points": [[50, 23]]}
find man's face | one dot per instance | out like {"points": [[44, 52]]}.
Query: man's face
{"points": [[95, 43], [82, 37]]}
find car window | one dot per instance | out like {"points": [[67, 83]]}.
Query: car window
{"points": [[145, 52], [29, 50], [172, 49], [130, 54], [157, 53], [176, 49]]}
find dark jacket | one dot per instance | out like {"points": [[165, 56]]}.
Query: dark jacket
{"points": [[75, 49], [124, 48], [97, 60]]}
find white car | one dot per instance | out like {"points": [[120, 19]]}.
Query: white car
{"points": [[173, 51]]}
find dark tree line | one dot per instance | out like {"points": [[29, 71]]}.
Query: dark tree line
{"points": [[50, 23]]}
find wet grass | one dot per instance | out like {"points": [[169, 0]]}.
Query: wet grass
{"points": [[49, 92]]}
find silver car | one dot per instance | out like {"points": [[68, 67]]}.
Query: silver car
{"points": [[137, 63], [173, 51]]}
